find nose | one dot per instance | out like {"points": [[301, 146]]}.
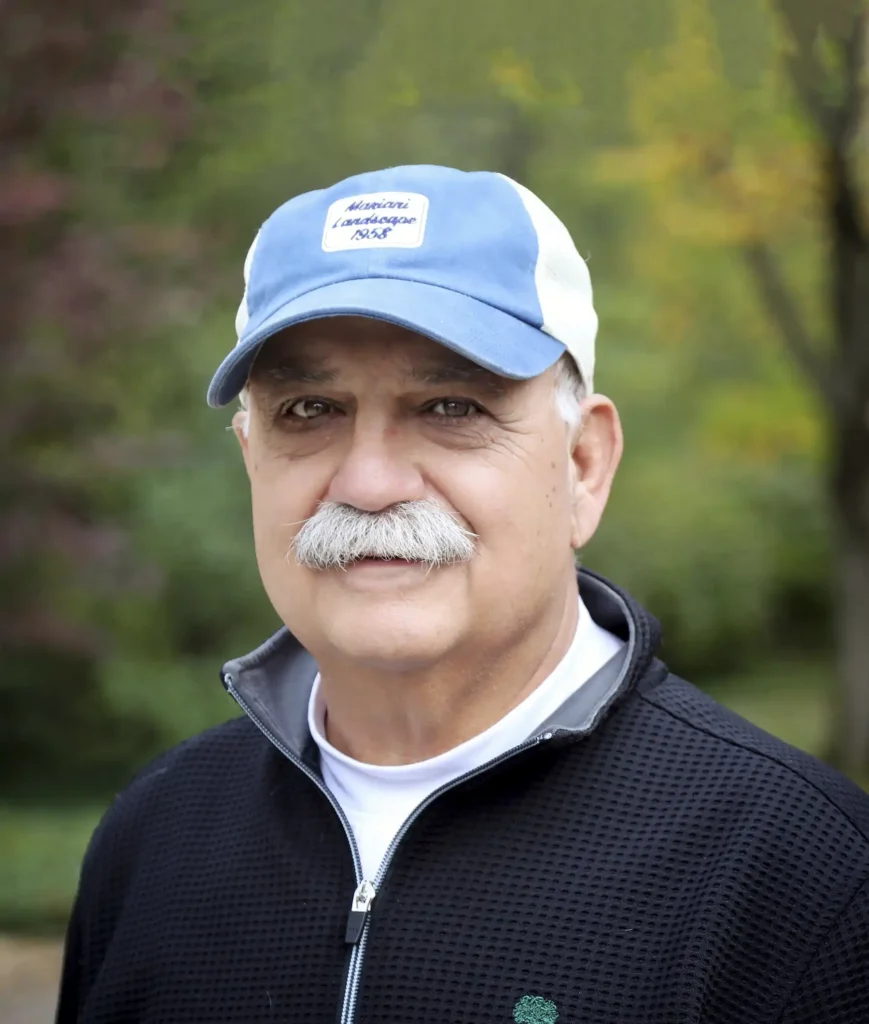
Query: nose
{"points": [[377, 470]]}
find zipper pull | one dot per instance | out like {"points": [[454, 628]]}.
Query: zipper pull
{"points": [[359, 909]]}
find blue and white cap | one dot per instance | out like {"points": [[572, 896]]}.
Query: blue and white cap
{"points": [[472, 260]]}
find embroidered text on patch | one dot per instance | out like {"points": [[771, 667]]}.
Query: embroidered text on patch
{"points": [[376, 220]]}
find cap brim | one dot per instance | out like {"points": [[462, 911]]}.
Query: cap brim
{"points": [[487, 336]]}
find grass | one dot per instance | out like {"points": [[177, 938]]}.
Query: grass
{"points": [[40, 854], [41, 848]]}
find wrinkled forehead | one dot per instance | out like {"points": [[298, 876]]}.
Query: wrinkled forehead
{"points": [[340, 348]]}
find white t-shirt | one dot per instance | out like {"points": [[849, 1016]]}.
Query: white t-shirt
{"points": [[377, 799]]}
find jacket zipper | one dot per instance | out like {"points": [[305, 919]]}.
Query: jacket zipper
{"points": [[359, 918], [228, 682], [355, 971]]}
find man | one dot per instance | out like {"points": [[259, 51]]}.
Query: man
{"points": [[463, 789]]}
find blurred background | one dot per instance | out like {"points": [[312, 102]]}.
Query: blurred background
{"points": [[711, 158]]}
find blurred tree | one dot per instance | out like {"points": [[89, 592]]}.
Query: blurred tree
{"points": [[90, 115], [141, 144], [774, 176], [829, 68], [152, 140]]}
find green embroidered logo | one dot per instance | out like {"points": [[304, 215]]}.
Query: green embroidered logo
{"points": [[535, 1010]]}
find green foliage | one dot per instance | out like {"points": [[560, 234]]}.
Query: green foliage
{"points": [[660, 134], [790, 699], [40, 854]]}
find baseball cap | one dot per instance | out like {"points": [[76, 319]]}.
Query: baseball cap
{"points": [[472, 260]]}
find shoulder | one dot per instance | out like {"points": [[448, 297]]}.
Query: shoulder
{"points": [[166, 817], [211, 755], [195, 777], [783, 833], [781, 777]]}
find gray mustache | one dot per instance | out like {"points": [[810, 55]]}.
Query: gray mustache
{"points": [[418, 531]]}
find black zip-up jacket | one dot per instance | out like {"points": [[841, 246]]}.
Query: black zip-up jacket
{"points": [[646, 857]]}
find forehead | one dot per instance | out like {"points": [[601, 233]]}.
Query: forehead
{"points": [[328, 349]]}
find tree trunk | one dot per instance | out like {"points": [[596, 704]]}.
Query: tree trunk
{"points": [[850, 418], [851, 494], [838, 104]]}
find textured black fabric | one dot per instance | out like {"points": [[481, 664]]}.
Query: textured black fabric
{"points": [[677, 866], [835, 984]]}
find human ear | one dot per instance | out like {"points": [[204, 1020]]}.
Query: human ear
{"points": [[240, 425], [595, 456]]}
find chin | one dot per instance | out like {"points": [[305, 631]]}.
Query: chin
{"points": [[395, 635]]}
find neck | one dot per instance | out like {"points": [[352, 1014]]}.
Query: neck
{"points": [[385, 718]]}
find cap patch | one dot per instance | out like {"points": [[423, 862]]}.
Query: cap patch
{"points": [[376, 220]]}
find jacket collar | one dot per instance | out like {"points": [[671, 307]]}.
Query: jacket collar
{"points": [[274, 682]]}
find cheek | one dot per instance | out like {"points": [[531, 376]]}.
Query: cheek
{"points": [[280, 501], [271, 537], [549, 511], [279, 505], [516, 508]]}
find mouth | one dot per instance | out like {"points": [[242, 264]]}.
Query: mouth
{"points": [[373, 562]]}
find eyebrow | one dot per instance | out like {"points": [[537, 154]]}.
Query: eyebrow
{"points": [[461, 373], [291, 371], [288, 372]]}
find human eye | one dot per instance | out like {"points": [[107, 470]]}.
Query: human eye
{"points": [[454, 409], [307, 409]]}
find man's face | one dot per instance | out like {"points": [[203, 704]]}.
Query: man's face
{"points": [[366, 414]]}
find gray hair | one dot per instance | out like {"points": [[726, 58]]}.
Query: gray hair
{"points": [[570, 392]]}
